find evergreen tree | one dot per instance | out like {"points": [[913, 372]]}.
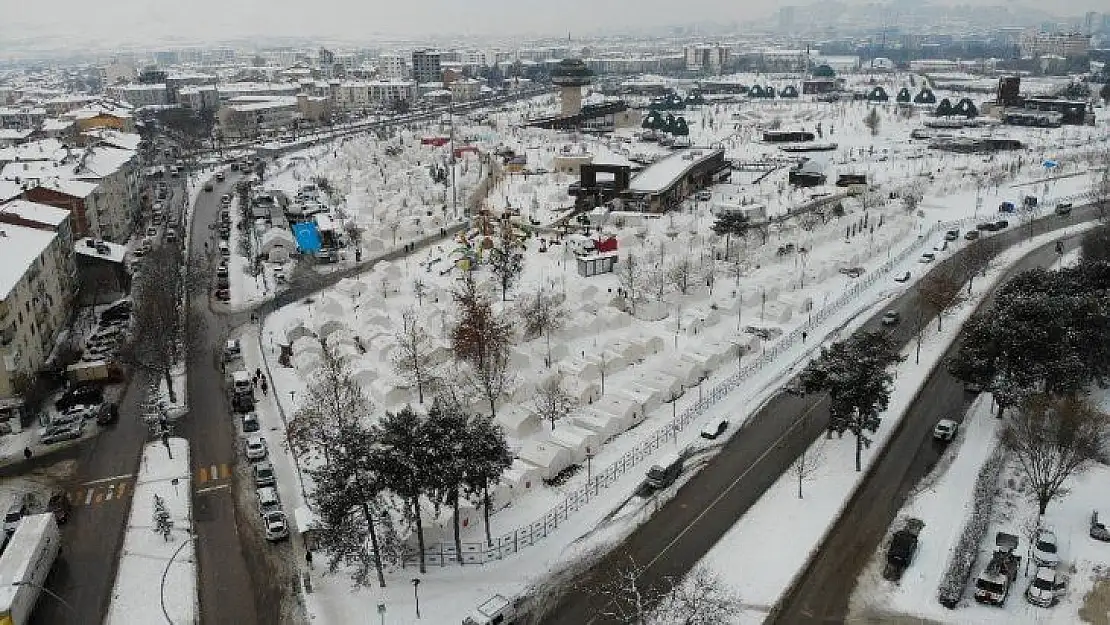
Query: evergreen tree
{"points": [[447, 431], [729, 224], [163, 524], [855, 374], [489, 457], [405, 458]]}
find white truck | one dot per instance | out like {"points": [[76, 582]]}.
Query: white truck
{"points": [[26, 562]]}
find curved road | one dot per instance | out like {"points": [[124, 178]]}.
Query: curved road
{"points": [[821, 594], [675, 538]]}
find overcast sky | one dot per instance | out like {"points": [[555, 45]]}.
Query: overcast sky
{"points": [[141, 21]]}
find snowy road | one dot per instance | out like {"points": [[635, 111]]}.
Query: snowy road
{"points": [[821, 594], [709, 504]]}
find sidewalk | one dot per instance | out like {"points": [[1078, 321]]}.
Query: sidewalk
{"points": [[158, 576]]}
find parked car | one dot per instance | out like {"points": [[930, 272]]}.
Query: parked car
{"points": [[255, 447], [80, 394], [220, 176], [223, 282], [264, 474], [714, 428], [1098, 529], [208, 186], [151, 231], [171, 235], [59, 506], [902, 549], [927, 257], [1046, 587], [224, 295], [107, 414], [951, 235], [993, 584], [268, 500], [250, 423], [795, 387], [232, 349], [891, 318], [276, 525], [945, 430], [1063, 209], [905, 277], [987, 226], [59, 433], [852, 272], [221, 269], [971, 235], [1046, 549], [973, 387]]}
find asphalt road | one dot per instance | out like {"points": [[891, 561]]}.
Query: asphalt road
{"points": [[100, 488], [672, 541], [821, 594]]}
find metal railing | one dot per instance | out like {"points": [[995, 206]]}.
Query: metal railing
{"points": [[524, 536]]}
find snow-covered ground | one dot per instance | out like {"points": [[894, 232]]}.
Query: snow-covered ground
{"points": [[779, 533], [950, 488], [779, 292], [157, 576]]}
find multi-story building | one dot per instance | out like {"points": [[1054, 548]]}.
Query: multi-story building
{"points": [[391, 66], [78, 198], [249, 116], [24, 117], [706, 58], [465, 89], [140, 95], [1067, 45], [427, 66], [230, 91], [197, 98], [37, 279]]}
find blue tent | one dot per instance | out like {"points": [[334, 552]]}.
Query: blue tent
{"points": [[308, 237]]}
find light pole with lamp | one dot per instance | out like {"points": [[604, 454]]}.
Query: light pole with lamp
{"points": [[416, 594]]}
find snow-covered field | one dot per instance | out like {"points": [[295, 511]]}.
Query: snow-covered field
{"points": [[671, 343], [157, 576]]}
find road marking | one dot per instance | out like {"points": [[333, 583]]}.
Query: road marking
{"points": [[736, 481], [121, 488], [89, 497], [225, 471], [98, 498], [202, 474], [213, 473], [111, 491], [201, 491], [106, 479]]}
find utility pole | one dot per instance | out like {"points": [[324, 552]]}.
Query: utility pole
{"points": [[451, 160]]}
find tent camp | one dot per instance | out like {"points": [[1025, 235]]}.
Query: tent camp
{"points": [[518, 421], [577, 439], [277, 244], [628, 410], [546, 456], [604, 424]]}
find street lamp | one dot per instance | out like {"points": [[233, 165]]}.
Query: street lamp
{"points": [[416, 594], [47, 591]]}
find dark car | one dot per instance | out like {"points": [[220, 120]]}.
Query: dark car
{"points": [[1000, 224], [985, 226], [59, 506], [951, 235], [971, 235], [80, 394], [905, 277], [107, 414], [224, 295]]}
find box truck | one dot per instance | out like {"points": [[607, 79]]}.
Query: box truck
{"points": [[26, 562]]}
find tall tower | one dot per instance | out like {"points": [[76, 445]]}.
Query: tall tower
{"points": [[570, 75]]}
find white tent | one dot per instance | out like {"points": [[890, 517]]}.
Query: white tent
{"points": [[295, 330], [579, 368], [582, 390], [329, 305], [548, 457], [521, 476], [604, 424], [650, 344], [351, 287], [308, 345], [621, 406], [277, 244], [577, 439], [647, 397], [629, 350], [518, 421], [610, 360], [669, 385], [687, 372], [614, 319], [329, 324]]}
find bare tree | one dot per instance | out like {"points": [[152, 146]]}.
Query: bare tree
{"points": [[1100, 188], [413, 358], [939, 292], [1053, 439], [630, 276], [873, 122], [681, 274], [807, 465], [543, 314], [331, 399], [702, 598], [976, 259], [625, 599], [912, 196], [166, 323], [419, 289], [552, 402]]}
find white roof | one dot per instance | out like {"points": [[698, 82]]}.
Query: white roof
{"points": [[115, 138], [100, 161], [661, 174], [115, 252], [73, 188], [20, 553], [19, 247], [9, 189], [33, 211], [12, 133]]}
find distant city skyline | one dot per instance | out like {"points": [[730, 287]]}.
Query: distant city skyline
{"points": [[145, 22]]}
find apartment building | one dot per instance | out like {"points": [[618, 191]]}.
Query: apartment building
{"points": [[140, 95], [391, 66], [427, 66], [248, 116], [197, 98], [706, 58], [37, 285], [1067, 45]]}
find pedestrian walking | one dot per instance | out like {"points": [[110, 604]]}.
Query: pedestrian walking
{"points": [[258, 372], [27, 453], [804, 335], [308, 557], [264, 387]]}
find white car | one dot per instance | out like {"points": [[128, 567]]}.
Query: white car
{"points": [[945, 430], [1046, 588], [1045, 550], [277, 526], [255, 447]]}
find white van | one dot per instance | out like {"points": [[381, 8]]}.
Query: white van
{"points": [[241, 382], [225, 249]]}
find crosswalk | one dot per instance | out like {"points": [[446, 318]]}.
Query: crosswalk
{"points": [[118, 488]]}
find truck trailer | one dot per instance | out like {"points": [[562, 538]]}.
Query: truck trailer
{"points": [[24, 566]]}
